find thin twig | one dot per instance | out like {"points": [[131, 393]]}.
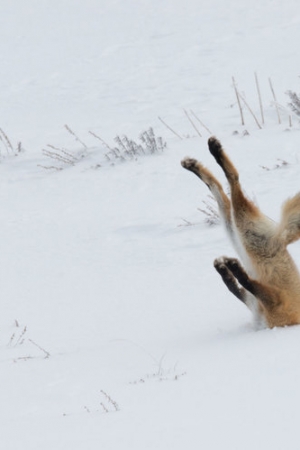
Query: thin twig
{"points": [[283, 109], [238, 101], [58, 157], [204, 126], [104, 408], [250, 110], [275, 100], [41, 348], [65, 152], [49, 167], [171, 129], [192, 123], [110, 400], [290, 114], [6, 141], [100, 139], [259, 98], [20, 339], [76, 137]]}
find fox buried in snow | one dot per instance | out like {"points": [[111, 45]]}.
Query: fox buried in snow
{"points": [[270, 285]]}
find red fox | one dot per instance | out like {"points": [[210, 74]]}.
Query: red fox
{"points": [[270, 284]]}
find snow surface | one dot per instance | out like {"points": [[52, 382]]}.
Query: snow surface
{"points": [[115, 330]]}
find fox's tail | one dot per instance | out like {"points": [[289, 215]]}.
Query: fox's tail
{"points": [[289, 226]]}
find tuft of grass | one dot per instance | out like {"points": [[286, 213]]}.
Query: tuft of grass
{"points": [[125, 149], [161, 374], [8, 147], [243, 104], [280, 163], [20, 338], [110, 405], [128, 149], [211, 213], [75, 136], [107, 403], [294, 103]]}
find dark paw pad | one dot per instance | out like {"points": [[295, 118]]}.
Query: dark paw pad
{"points": [[219, 265], [215, 147], [232, 264], [189, 164]]}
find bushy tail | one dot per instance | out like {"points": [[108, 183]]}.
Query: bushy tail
{"points": [[289, 226]]}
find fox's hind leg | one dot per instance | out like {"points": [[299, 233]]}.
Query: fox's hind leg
{"points": [[214, 186], [243, 208], [255, 229]]}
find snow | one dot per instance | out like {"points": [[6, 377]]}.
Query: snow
{"points": [[115, 330]]}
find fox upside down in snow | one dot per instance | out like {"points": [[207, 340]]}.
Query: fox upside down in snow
{"points": [[270, 285]]}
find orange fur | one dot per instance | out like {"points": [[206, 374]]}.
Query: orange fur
{"points": [[270, 286]]}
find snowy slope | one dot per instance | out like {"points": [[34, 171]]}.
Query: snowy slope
{"points": [[115, 330]]}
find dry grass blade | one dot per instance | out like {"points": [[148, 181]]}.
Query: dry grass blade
{"points": [[6, 141], [238, 101], [201, 123], [250, 110], [259, 98], [110, 401], [75, 136], [40, 348], [100, 139], [192, 123], [275, 100], [59, 157], [287, 112], [169, 128]]}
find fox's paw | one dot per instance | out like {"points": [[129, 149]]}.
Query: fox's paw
{"points": [[233, 264], [220, 266], [189, 164], [215, 147], [220, 262], [237, 270]]}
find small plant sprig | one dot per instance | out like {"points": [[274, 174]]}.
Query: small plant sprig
{"points": [[4, 138], [17, 338], [47, 354], [6, 143], [75, 136], [169, 128], [244, 104], [20, 338], [128, 149], [162, 373], [61, 155], [186, 223], [281, 163], [294, 103], [154, 376], [211, 213], [110, 405]]}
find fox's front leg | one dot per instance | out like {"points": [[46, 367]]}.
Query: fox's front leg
{"points": [[230, 280], [214, 186], [269, 296]]}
